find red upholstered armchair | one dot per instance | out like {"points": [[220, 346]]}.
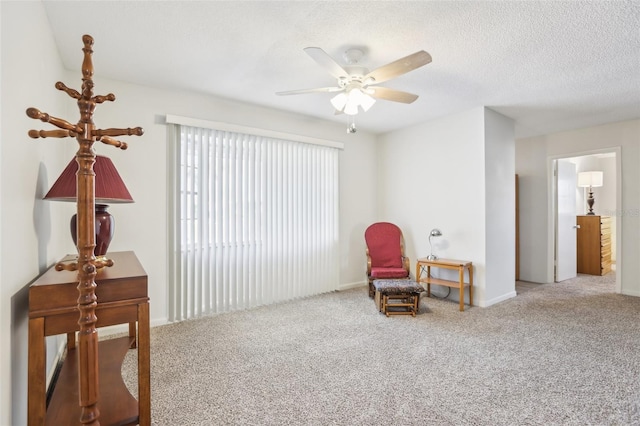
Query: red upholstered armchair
{"points": [[385, 253]]}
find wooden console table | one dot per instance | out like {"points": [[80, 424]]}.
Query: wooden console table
{"points": [[53, 309], [459, 265]]}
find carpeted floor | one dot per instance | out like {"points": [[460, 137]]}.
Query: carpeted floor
{"points": [[557, 354]]}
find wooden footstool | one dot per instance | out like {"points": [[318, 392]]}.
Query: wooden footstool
{"points": [[397, 297]]}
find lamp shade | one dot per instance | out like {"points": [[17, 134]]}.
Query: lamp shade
{"points": [[109, 187], [435, 232], [590, 179], [339, 101]]}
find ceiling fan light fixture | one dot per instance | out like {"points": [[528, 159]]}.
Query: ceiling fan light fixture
{"points": [[339, 101], [355, 98], [351, 108], [367, 103], [348, 102], [364, 100]]}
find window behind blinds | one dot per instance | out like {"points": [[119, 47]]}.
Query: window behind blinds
{"points": [[255, 221]]}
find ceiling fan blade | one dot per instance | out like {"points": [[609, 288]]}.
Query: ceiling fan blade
{"points": [[399, 67], [327, 62], [316, 90], [391, 94]]}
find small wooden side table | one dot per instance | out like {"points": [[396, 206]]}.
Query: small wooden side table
{"points": [[459, 265], [122, 299]]}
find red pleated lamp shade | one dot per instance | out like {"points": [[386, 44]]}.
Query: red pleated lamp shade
{"points": [[108, 184], [109, 188]]}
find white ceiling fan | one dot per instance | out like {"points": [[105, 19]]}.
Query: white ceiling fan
{"points": [[356, 85]]}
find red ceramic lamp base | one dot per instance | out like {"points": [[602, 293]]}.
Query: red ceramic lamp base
{"points": [[105, 226]]}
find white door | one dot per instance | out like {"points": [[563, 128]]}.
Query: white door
{"points": [[566, 228]]}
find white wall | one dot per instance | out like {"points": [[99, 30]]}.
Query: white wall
{"points": [[358, 200], [500, 208], [35, 233], [532, 176], [532, 160], [31, 237], [605, 196], [433, 175], [5, 315]]}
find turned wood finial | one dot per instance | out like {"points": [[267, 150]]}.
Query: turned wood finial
{"points": [[87, 63]]}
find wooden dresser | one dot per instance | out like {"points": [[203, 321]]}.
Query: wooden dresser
{"points": [[594, 245]]}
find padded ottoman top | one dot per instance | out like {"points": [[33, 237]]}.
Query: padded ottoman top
{"points": [[397, 286]]}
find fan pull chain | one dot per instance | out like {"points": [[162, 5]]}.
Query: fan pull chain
{"points": [[352, 126]]}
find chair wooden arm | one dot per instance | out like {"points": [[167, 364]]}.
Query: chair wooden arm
{"points": [[406, 264]]}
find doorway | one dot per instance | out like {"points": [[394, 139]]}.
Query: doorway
{"points": [[607, 201]]}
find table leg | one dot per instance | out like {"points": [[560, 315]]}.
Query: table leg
{"points": [[377, 298], [470, 285], [132, 335], [36, 389], [428, 283], [144, 365], [461, 283], [385, 304], [71, 340]]}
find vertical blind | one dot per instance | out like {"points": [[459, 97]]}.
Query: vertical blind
{"points": [[255, 221]]}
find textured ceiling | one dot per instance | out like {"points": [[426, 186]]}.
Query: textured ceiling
{"points": [[551, 66]]}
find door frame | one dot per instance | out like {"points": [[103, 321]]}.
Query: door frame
{"points": [[552, 211]]}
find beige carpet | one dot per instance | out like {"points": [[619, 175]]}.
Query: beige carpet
{"points": [[558, 354]]}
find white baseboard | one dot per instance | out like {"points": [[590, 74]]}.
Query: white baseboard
{"points": [[498, 299], [113, 329], [62, 347], [124, 328], [349, 286], [158, 321]]}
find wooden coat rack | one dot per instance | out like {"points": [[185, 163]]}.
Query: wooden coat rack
{"points": [[87, 265]]}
